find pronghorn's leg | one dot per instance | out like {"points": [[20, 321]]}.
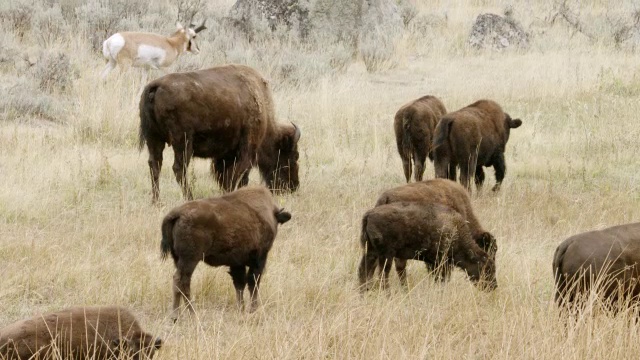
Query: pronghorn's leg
{"points": [[155, 165], [183, 150], [111, 64]]}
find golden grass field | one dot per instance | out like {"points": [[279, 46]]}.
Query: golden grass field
{"points": [[77, 226]]}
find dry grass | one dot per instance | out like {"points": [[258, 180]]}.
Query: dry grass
{"points": [[77, 227]]}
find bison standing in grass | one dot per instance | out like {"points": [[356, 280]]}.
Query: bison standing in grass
{"points": [[608, 260], [470, 138], [235, 230], [100, 332], [433, 233], [414, 125], [445, 192], [225, 113]]}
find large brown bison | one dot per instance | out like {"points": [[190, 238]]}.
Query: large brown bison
{"points": [[414, 125], [608, 260], [235, 230], [100, 332], [433, 233], [225, 113], [470, 138], [445, 192]]}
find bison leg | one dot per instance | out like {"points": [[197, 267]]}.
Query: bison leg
{"points": [[479, 177], [465, 171], [385, 266], [253, 280], [230, 172], [239, 276], [500, 167], [155, 164], [367, 269], [401, 269], [183, 152], [419, 159], [182, 285]]}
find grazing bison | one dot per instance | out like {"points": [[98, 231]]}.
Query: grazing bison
{"points": [[225, 113], [473, 137], [414, 125], [433, 233], [236, 230], [608, 259], [445, 192], [101, 332]]}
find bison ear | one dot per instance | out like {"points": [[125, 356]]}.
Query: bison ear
{"points": [[488, 243], [282, 216], [514, 123]]}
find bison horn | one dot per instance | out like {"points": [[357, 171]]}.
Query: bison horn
{"points": [[201, 27], [296, 134]]}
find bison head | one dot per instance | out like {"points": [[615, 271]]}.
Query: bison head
{"points": [[481, 270], [283, 174]]}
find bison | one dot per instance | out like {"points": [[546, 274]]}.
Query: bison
{"points": [[446, 192], [236, 230], [414, 125], [607, 260], [99, 332], [433, 233], [225, 113], [473, 137]]}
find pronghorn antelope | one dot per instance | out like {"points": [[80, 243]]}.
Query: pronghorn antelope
{"points": [[149, 50]]}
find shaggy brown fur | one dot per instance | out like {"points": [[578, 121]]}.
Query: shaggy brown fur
{"points": [[607, 258], [445, 192], [433, 233], [414, 125], [224, 113], [81, 333], [236, 230], [473, 137]]}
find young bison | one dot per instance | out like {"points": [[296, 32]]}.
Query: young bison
{"points": [[445, 192], [100, 332], [414, 125], [473, 137], [236, 230], [608, 259], [433, 233]]}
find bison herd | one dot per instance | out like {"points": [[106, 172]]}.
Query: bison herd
{"points": [[226, 113]]}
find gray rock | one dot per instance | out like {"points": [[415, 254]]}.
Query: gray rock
{"points": [[491, 31]]}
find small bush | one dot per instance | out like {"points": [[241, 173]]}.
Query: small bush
{"points": [[22, 99], [53, 72], [408, 11], [51, 25], [102, 19], [377, 52], [18, 18]]}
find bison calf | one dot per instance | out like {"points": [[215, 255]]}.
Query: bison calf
{"points": [[434, 233], [470, 138], [236, 230], [607, 259], [414, 125], [445, 192], [102, 332]]}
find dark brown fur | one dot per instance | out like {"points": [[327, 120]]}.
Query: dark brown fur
{"points": [[225, 113], [433, 233], [81, 333], [470, 138], [235, 230], [445, 192], [414, 125], [608, 258]]}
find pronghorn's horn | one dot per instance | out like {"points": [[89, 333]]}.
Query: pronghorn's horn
{"points": [[201, 27]]}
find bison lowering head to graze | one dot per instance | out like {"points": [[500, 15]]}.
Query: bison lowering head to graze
{"points": [[99, 332], [225, 113], [414, 125], [433, 233], [445, 192], [236, 230], [470, 138], [608, 260]]}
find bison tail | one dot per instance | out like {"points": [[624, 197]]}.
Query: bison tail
{"points": [[166, 245], [364, 237], [558, 258], [147, 113], [442, 131]]}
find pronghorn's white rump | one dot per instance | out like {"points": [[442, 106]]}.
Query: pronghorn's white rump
{"points": [[149, 50]]}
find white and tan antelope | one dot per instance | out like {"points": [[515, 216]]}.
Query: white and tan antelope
{"points": [[149, 50]]}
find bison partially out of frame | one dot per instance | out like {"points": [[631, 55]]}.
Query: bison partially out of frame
{"points": [[235, 230], [414, 125], [433, 233], [470, 138], [97, 332], [607, 260], [225, 113]]}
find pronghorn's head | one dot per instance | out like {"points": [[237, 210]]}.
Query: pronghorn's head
{"points": [[190, 35]]}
